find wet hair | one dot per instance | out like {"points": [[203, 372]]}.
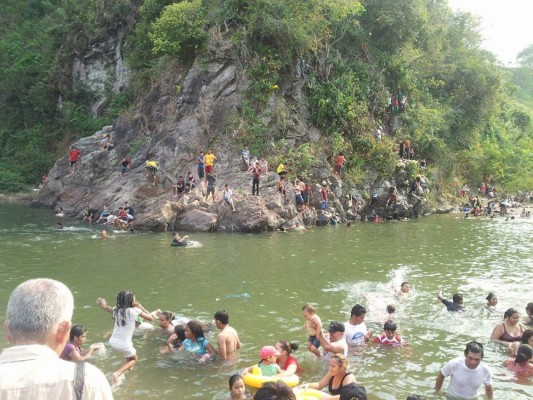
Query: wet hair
{"points": [[196, 329], [275, 390], [415, 397], [341, 360], [529, 307], [180, 336], [457, 298], [309, 308], [404, 283], [222, 316], [167, 314], [523, 354], [358, 310], [289, 347], [509, 313], [76, 331], [391, 309], [336, 326], [389, 326], [490, 296], [233, 379], [124, 301], [36, 307], [526, 335], [474, 347]]}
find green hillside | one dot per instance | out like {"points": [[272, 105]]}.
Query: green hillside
{"points": [[469, 118]]}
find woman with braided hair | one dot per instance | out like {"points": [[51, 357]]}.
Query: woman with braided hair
{"points": [[124, 314]]}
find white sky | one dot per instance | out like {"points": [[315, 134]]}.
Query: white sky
{"points": [[507, 27]]}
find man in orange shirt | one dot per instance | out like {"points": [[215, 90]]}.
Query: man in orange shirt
{"points": [[339, 161]]}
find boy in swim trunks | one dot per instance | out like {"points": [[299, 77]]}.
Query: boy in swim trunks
{"points": [[313, 325]]}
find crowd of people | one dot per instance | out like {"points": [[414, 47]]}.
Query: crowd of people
{"points": [[41, 333]]}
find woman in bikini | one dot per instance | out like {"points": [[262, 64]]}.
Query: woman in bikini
{"points": [[510, 331], [337, 377]]}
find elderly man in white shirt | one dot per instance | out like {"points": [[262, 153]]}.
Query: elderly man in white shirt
{"points": [[39, 314]]}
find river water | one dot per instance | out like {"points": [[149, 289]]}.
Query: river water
{"points": [[264, 280]]}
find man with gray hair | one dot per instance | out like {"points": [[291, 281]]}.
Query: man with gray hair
{"points": [[38, 323]]}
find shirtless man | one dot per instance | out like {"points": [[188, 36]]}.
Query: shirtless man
{"points": [[227, 339]]}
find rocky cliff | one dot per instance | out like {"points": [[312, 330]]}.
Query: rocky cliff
{"points": [[184, 113]]}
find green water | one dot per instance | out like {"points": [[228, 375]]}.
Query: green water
{"points": [[333, 267]]}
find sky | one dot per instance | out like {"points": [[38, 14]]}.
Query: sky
{"points": [[506, 25]]}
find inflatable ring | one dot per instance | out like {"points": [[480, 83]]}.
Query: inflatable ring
{"points": [[255, 379], [178, 244], [309, 394]]}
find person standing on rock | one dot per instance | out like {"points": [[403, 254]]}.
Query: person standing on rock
{"points": [[211, 179], [339, 161], [201, 166], [74, 155], [256, 174], [210, 159]]}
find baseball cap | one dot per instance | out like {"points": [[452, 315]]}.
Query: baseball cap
{"points": [[336, 327], [352, 391], [268, 351]]}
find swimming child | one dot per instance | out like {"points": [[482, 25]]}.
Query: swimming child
{"points": [[195, 342], [521, 364], [236, 387], [267, 365], [390, 314], [313, 326], [59, 225], [388, 337], [175, 341], [124, 314], [73, 350]]}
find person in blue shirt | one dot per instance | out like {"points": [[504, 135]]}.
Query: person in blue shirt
{"points": [[455, 305]]}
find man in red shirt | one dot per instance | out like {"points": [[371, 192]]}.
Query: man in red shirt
{"points": [[74, 155], [339, 161]]}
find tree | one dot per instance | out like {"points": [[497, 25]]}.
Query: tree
{"points": [[525, 57]]}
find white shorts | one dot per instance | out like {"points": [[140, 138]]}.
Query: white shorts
{"points": [[126, 349]]}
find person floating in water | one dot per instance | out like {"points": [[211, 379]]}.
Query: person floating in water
{"points": [[179, 240]]}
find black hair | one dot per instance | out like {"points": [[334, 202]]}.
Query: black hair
{"points": [[523, 354], [457, 298], [289, 347], [490, 296], [275, 390], [391, 309], [336, 326], [358, 310], [124, 301], [389, 326], [474, 347], [167, 314], [415, 397], [76, 331], [509, 313], [196, 329], [529, 306], [222, 316], [526, 335], [234, 378]]}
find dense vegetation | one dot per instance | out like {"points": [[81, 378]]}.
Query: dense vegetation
{"points": [[468, 117]]}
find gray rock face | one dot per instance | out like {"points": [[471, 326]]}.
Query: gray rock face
{"points": [[186, 112]]}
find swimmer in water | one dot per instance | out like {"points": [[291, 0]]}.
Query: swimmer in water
{"points": [[104, 234], [492, 300], [59, 225], [177, 239], [521, 364], [236, 388]]}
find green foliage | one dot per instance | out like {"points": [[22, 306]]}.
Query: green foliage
{"points": [[525, 57], [302, 159], [179, 31], [134, 146]]}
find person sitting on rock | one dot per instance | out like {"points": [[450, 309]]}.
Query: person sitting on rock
{"points": [[191, 183], [228, 196], [179, 187]]}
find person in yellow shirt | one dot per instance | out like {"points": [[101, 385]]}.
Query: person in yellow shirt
{"points": [[210, 159]]}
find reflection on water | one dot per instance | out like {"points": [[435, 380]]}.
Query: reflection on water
{"points": [[264, 280]]}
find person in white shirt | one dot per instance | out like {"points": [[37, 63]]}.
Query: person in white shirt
{"points": [[39, 314], [467, 374], [356, 332]]}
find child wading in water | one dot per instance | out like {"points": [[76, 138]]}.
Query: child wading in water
{"points": [[313, 326], [124, 314], [237, 391]]}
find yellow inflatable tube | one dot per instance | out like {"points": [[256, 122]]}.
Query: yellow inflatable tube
{"points": [[309, 394], [255, 379]]}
